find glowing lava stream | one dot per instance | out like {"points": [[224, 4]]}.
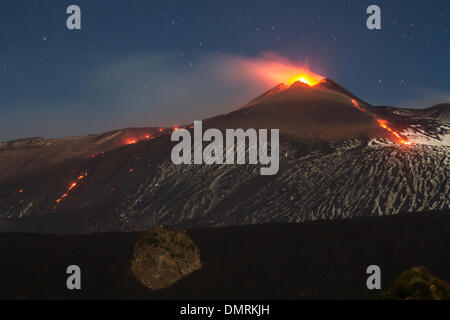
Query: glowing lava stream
{"points": [[355, 103], [382, 123], [71, 186]]}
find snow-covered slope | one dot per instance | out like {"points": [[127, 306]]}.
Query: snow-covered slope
{"points": [[335, 162]]}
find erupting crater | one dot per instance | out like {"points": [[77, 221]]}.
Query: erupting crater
{"points": [[309, 79]]}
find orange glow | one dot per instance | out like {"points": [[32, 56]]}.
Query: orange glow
{"points": [[308, 78], [134, 140], [131, 170], [383, 123], [96, 154], [21, 191], [72, 186], [131, 141], [271, 69], [356, 104]]}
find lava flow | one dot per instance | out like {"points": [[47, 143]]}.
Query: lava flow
{"points": [[71, 186], [383, 123], [355, 103], [131, 141], [134, 140]]}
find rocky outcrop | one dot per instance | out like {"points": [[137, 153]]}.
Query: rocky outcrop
{"points": [[418, 283], [162, 257]]}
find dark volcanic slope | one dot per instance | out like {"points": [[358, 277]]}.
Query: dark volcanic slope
{"points": [[323, 112], [335, 162], [314, 260], [137, 187], [29, 155]]}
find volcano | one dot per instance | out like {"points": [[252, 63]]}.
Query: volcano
{"points": [[340, 157], [323, 112]]}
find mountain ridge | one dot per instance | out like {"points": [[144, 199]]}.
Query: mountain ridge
{"points": [[328, 170]]}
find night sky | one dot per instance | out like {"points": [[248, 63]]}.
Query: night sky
{"points": [[145, 63]]}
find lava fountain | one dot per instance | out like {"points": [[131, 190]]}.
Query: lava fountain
{"points": [[307, 77]]}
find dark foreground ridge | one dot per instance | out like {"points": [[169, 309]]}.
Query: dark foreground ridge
{"points": [[313, 260]]}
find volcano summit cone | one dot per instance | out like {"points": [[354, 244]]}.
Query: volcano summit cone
{"points": [[324, 111]]}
